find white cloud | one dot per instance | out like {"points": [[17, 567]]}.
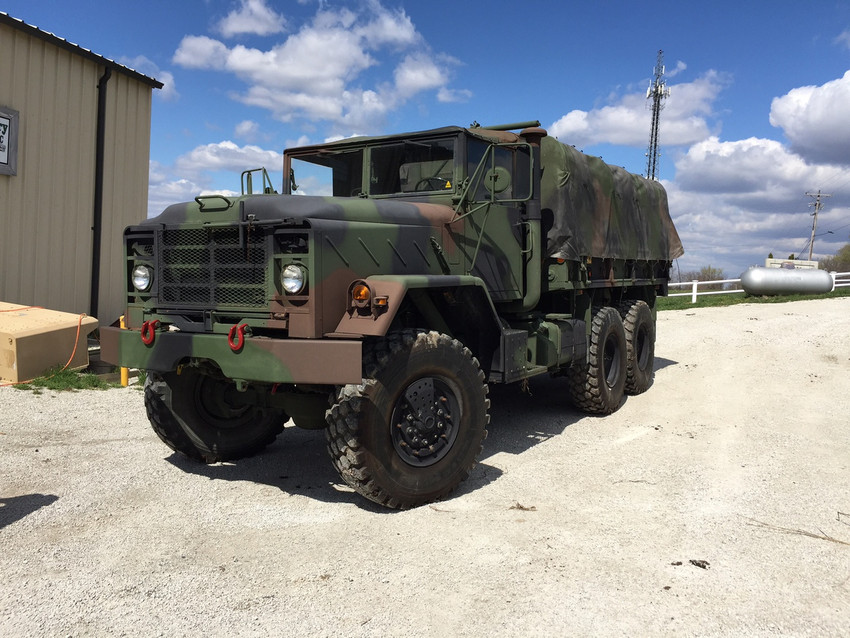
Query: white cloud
{"points": [[227, 156], [418, 73], [816, 120], [626, 122], [247, 130], [844, 39], [140, 63], [164, 190], [190, 175], [734, 202], [316, 73], [252, 17], [453, 95], [201, 52], [392, 28], [680, 66], [758, 168]]}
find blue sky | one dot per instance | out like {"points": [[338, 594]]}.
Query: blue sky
{"points": [[759, 111]]}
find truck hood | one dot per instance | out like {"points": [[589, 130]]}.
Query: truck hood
{"points": [[294, 209]]}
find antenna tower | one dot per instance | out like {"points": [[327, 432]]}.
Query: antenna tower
{"points": [[656, 92]]}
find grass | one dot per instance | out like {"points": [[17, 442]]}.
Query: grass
{"points": [[710, 301], [66, 381]]}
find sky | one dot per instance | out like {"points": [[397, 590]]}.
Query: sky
{"points": [[756, 123]]}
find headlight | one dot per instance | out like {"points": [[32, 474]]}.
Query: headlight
{"points": [[142, 277], [293, 278]]}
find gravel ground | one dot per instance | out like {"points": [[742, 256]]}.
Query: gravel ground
{"points": [[716, 504]]}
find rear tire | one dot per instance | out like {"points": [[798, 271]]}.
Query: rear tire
{"points": [[640, 345], [413, 430], [200, 416], [597, 386]]}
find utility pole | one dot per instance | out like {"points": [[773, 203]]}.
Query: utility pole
{"points": [[657, 91], [817, 206]]}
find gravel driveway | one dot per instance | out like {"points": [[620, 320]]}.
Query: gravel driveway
{"points": [[716, 504]]}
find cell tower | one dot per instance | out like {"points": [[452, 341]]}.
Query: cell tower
{"points": [[656, 92]]}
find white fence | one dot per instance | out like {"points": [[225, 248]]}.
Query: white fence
{"points": [[840, 280]]}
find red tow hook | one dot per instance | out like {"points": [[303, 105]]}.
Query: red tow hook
{"points": [[236, 337], [149, 331]]}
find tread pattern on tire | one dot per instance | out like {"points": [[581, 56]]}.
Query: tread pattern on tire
{"points": [[343, 417], [637, 381], [162, 420], [584, 381], [158, 400]]}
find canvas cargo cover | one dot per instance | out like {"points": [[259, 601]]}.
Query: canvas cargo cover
{"points": [[597, 210]]}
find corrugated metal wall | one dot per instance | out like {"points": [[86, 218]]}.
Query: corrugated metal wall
{"points": [[46, 210], [125, 193]]}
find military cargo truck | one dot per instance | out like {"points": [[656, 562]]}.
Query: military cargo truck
{"points": [[384, 290]]}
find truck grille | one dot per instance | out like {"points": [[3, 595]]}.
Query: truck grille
{"points": [[213, 267]]}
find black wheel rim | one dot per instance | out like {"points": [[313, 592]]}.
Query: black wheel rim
{"points": [[215, 404], [611, 360], [425, 421]]}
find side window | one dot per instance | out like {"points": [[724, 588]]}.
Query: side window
{"points": [[412, 166], [508, 169]]}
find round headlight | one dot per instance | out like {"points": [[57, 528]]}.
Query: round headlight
{"points": [[293, 278], [142, 277]]}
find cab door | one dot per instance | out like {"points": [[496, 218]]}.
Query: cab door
{"points": [[496, 237]]}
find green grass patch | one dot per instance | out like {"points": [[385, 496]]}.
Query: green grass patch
{"points": [[712, 301], [66, 381]]}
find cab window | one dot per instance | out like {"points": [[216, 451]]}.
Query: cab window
{"points": [[412, 166]]}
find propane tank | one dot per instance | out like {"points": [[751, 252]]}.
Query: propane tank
{"points": [[785, 281]]}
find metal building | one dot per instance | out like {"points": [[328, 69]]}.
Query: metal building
{"points": [[74, 161]]}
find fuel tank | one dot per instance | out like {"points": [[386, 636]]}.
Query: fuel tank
{"points": [[784, 281]]}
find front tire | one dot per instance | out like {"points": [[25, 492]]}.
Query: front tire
{"points": [[597, 385], [413, 430], [200, 416]]}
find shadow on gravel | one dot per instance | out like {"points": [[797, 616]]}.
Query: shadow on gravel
{"points": [[17, 507], [521, 417], [660, 363], [298, 463]]}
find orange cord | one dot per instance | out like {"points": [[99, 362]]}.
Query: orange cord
{"points": [[23, 308], [70, 359]]}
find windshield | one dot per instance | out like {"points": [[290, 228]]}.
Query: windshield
{"points": [[338, 173], [403, 167], [412, 167]]}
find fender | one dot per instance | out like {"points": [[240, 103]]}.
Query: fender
{"points": [[388, 293]]}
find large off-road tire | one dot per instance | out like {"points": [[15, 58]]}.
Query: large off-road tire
{"points": [[413, 430], [200, 415], [597, 386], [640, 345]]}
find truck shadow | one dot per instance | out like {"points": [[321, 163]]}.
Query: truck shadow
{"points": [[17, 507], [521, 416]]}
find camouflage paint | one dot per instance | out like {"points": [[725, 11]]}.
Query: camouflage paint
{"points": [[217, 262]]}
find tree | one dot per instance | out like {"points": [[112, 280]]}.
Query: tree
{"points": [[706, 273], [839, 262]]}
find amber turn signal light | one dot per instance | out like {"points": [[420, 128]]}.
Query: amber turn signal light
{"points": [[361, 292]]}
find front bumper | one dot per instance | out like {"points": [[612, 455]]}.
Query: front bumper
{"points": [[261, 359]]}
